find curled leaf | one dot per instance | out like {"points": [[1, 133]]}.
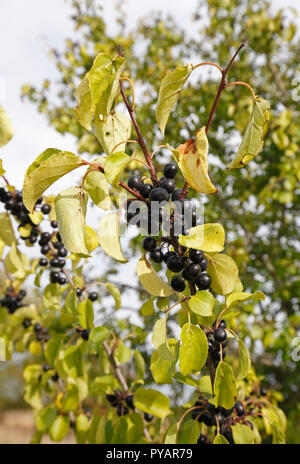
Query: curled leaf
{"points": [[252, 141], [193, 163]]}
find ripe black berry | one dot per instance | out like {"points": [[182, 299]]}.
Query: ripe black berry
{"points": [[196, 255], [93, 296], [203, 281], [54, 262], [168, 255], [148, 417], [129, 401], [54, 224], [54, 276], [32, 239], [193, 270], [178, 284], [149, 244], [135, 182], [79, 292], [159, 194], [46, 367], [201, 440], [55, 377], [46, 208], [85, 334], [62, 252], [62, 280], [43, 262], [37, 327], [145, 190], [170, 170], [239, 408], [156, 256], [112, 399], [122, 410], [176, 194], [26, 323], [263, 392], [220, 335], [44, 249], [175, 263], [167, 184], [45, 237], [222, 324], [203, 264]]}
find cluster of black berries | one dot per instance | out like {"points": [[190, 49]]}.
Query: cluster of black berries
{"points": [[123, 402], [155, 219], [48, 243], [189, 262], [93, 296], [41, 333], [12, 300], [210, 415], [217, 340]]}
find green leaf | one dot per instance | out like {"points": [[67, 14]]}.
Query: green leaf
{"points": [[171, 435], [114, 165], [169, 91], [189, 433], [81, 428], [163, 370], [85, 110], [108, 236], [202, 303], [193, 349], [90, 238], [242, 434], [51, 297], [72, 361], [243, 296], [244, 361], [45, 418], [86, 314], [208, 237], [223, 272], [115, 293], [6, 129], [49, 166], [152, 401], [70, 206], [97, 336], [52, 348], [59, 428], [220, 440], [225, 386], [97, 187], [150, 280], [16, 263], [7, 234], [252, 141], [147, 308], [120, 432], [115, 129], [139, 364], [70, 400], [122, 353], [193, 163]]}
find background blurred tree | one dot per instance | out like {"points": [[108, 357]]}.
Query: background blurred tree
{"points": [[264, 224]]}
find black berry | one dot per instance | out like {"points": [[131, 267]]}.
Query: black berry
{"points": [[175, 263], [203, 281], [178, 284], [149, 244], [220, 335], [159, 194], [93, 296], [196, 255], [170, 170], [156, 256], [46, 208], [135, 182]]}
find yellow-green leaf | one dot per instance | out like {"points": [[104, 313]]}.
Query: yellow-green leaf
{"points": [[220, 440], [223, 272], [97, 187], [244, 361], [6, 129], [225, 386], [115, 293], [202, 303], [7, 234], [70, 206], [90, 238], [242, 434], [152, 401], [208, 237], [59, 428], [243, 296], [193, 163], [114, 166], [169, 92], [150, 280], [252, 141], [108, 236], [193, 349], [47, 168]]}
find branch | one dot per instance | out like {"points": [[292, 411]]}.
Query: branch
{"points": [[116, 368]]}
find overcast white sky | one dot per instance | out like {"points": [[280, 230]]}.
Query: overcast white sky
{"points": [[25, 29]]}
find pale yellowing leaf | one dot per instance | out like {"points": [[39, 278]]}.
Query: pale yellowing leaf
{"points": [[193, 163], [152, 401], [193, 349], [70, 206], [109, 236], [115, 293], [7, 234], [150, 280], [202, 303], [236, 297], [114, 129], [97, 187], [114, 165], [208, 237], [90, 238]]}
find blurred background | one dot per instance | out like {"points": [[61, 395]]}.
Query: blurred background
{"points": [[45, 49]]}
